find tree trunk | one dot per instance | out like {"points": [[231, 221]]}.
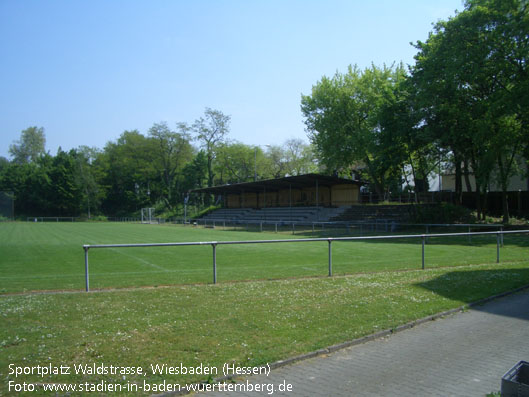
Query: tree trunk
{"points": [[467, 177], [485, 203], [505, 206], [459, 184]]}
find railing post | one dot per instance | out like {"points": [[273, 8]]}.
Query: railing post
{"points": [[87, 283], [423, 241], [469, 236], [330, 258], [498, 248], [501, 230], [214, 263]]}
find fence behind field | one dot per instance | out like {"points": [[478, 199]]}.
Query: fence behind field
{"points": [[349, 228], [423, 238]]}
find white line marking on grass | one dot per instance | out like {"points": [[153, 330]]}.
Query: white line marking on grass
{"points": [[145, 262], [141, 260]]}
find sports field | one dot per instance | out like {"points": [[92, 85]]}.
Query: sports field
{"points": [[246, 324], [49, 256]]}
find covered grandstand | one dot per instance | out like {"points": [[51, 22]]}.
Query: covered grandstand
{"points": [[303, 197], [309, 190]]}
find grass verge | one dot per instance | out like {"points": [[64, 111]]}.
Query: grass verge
{"points": [[248, 324]]}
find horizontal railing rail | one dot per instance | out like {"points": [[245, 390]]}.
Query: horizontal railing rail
{"points": [[214, 244]]}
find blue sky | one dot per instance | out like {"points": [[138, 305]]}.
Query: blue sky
{"points": [[88, 70]]}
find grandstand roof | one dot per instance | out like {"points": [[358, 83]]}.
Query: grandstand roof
{"points": [[295, 182]]}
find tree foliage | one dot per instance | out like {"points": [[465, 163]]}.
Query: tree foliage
{"points": [[471, 80], [343, 118], [30, 147]]}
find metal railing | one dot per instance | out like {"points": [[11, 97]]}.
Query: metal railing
{"points": [[330, 240], [322, 227]]}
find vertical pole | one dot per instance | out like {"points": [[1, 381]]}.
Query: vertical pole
{"points": [[427, 231], [423, 241], [330, 258], [469, 236], [261, 226], [276, 227], [290, 199], [317, 198], [293, 228], [87, 283], [214, 263], [501, 230], [498, 248]]}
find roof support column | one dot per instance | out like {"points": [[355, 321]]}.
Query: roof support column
{"points": [[317, 200], [317, 193], [290, 199]]}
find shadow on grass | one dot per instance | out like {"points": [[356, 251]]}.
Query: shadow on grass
{"points": [[474, 285]]}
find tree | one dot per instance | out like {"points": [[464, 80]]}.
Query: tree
{"points": [[30, 146], [128, 176], [471, 78], [299, 157], [343, 117], [173, 151], [407, 139], [4, 163], [86, 176], [65, 195], [211, 131], [195, 173], [235, 162]]}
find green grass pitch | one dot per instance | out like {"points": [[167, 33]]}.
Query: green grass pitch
{"points": [[49, 256], [249, 323]]}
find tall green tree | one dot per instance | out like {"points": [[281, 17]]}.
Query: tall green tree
{"points": [[172, 151], [470, 77], [65, 194], [129, 178], [235, 162], [29, 147], [211, 131], [87, 177], [343, 117]]}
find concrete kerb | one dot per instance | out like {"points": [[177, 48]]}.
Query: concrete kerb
{"points": [[364, 339]]}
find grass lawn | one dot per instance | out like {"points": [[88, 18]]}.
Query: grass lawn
{"points": [[248, 323], [245, 323], [49, 256]]}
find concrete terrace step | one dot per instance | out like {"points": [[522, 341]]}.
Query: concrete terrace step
{"points": [[279, 214], [372, 212]]}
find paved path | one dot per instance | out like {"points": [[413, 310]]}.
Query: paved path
{"points": [[464, 354]]}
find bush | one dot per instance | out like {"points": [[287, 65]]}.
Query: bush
{"points": [[98, 218], [443, 213], [203, 212]]}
